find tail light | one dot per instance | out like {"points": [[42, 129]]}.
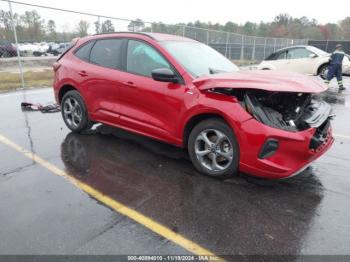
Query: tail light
{"points": [[56, 66]]}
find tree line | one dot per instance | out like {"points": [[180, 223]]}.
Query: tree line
{"points": [[31, 27]]}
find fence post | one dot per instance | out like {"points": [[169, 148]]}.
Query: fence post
{"points": [[207, 37], [184, 31], [227, 38], [242, 48], [99, 29], [265, 48], [253, 52], [16, 43], [274, 46]]}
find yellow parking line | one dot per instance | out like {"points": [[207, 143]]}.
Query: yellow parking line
{"points": [[115, 205], [341, 136]]}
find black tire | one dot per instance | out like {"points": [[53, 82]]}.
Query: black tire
{"points": [[76, 153], [194, 141], [79, 110], [322, 71]]}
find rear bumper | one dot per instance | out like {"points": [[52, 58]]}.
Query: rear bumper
{"points": [[294, 153]]}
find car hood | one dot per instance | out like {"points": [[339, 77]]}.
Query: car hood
{"points": [[275, 81]]}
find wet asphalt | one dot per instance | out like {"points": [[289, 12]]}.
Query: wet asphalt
{"points": [[41, 213]]}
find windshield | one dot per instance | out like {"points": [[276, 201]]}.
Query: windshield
{"points": [[199, 59], [317, 51]]}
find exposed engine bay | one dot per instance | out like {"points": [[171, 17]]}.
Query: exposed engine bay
{"points": [[284, 110]]}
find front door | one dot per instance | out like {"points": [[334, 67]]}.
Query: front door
{"points": [[148, 106], [299, 60]]}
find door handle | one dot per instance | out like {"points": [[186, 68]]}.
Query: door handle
{"points": [[129, 83], [83, 73]]}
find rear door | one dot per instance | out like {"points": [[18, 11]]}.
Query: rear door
{"points": [[101, 79], [147, 105]]}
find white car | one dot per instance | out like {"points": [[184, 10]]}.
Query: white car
{"points": [[303, 59], [35, 49]]}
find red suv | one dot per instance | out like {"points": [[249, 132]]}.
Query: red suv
{"points": [[185, 93]]}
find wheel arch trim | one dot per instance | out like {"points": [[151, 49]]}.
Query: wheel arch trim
{"points": [[202, 115]]}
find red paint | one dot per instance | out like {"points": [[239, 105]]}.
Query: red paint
{"points": [[262, 79], [161, 110]]}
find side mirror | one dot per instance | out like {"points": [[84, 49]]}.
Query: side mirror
{"points": [[312, 55], [164, 75]]}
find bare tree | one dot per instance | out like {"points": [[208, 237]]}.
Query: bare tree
{"points": [[97, 27], [82, 28], [51, 30], [34, 26]]}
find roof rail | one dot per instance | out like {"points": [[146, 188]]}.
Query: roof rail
{"points": [[128, 32]]}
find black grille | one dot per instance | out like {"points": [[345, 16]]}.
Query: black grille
{"points": [[320, 136]]}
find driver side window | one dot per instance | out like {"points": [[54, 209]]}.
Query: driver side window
{"points": [[142, 59]]}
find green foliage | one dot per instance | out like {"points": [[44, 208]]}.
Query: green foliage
{"points": [[136, 25], [107, 26], [345, 26], [283, 25]]}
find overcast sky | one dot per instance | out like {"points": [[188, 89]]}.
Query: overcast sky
{"points": [[177, 11]]}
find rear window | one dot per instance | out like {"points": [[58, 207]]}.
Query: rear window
{"points": [[84, 51], [107, 53]]}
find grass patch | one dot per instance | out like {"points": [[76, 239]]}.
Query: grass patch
{"points": [[12, 81], [245, 62]]}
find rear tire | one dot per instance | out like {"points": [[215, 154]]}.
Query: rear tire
{"points": [[213, 149], [74, 112]]}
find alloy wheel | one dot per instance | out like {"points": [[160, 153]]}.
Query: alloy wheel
{"points": [[72, 112], [213, 150], [324, 72]]}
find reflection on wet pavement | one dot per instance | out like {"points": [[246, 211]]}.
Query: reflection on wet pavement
{"points": [[241, 215]]}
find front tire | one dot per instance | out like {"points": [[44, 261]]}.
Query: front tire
{"points": [[213, 149], [74, 112]]}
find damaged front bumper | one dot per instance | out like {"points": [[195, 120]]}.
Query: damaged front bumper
{"points": [[295, 152]]}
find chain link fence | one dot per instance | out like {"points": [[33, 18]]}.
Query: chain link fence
{"points": [[329, 45], [32, 36]]}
